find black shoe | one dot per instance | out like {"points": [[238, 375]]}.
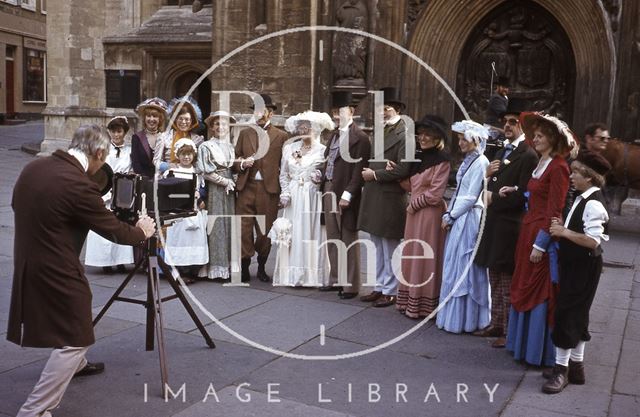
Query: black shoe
{"points": [[327, 288], [107, 270], [262, 274], [121, 269], [245, 275], [347, 295], [90, 369]]}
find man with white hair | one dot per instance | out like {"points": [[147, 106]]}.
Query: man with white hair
{"points": [[51, 297]]}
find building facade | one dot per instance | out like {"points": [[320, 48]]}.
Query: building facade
{"points": [[574, 58], [23, 54]]}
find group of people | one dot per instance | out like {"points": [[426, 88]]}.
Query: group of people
{"points": [[527, 278], [431, 257]]}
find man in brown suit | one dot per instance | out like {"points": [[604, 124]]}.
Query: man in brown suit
{"points": [[55, 204], [342, 187], [258, 188]]}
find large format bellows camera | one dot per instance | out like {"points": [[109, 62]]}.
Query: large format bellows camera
{"points": [[133, 193]]}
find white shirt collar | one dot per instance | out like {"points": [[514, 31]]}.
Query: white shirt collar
{"points": [[588, 192], [81, 157], [393, 120], [266, 125], [517, 142], [345, 128]]}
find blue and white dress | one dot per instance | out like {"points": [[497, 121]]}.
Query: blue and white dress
{"points": [[467, 307]]}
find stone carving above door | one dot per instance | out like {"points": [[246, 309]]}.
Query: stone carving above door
{"points": [[524, 43]]}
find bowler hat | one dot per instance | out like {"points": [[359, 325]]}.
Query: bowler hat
{"points": [[503, 81], [268, 103]]}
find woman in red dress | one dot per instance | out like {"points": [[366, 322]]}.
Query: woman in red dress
{"points": [[532, 287]]}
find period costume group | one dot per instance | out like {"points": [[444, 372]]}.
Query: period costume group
{"points": [[527, 278]]}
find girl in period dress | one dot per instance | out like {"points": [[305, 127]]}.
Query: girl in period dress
{"points": [[153, 113], [427, 183], [186, 243], [186, 115], [467, 285], [297, 262], [100, 251], [580, 258], [533, 284], [215, 161]]}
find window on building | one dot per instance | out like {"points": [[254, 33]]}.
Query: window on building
{"points": [[123, 88], [43, 6], [28, 4], [35, 77], [14, 2]]}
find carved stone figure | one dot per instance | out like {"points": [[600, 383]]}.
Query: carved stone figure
{"points": [[350, 50]]}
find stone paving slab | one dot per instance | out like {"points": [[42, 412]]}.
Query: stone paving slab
{"points": [[612, 298], [607, 320], [257, 405], [589, 400], [284, 322], [300, 380], [628, 376], [119, 391], [632, 331], [624, 406]]}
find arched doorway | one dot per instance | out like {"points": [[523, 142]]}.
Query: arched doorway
{"points": [[202, 94], [525, 43]]}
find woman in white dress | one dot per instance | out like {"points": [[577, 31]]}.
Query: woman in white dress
{"points": [[100, 251], [298, 233]]}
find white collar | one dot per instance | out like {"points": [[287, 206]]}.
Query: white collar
{"points": [[345, 128], [589, 191], [81, 157], [393, 120], [266, 125], [516, 142]]}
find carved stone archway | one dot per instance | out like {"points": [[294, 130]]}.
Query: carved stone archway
{"points": [[179, 77], [442, 29]]}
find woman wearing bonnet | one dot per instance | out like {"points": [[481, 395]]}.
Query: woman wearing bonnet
{"points": [[300, 177], [468, 308], [215, 159]]}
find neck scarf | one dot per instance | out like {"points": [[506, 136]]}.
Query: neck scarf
{"points": [[428, 158]]}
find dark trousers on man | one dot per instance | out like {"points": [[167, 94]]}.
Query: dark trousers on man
{"points": [[335, 230], [255, 200]]}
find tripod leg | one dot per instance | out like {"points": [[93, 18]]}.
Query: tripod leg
{"points": [[159, 324], [117, 293], [176, 288]]}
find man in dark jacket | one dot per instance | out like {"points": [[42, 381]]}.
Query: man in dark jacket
{"points": [[498, 102], [512, 168], [341, 192], [55, 204]]}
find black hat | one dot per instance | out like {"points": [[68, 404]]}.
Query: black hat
{"points": [[268, 103], [435, 122], [503, 81], [341, 99], [515, 107], [595, 161], [392, 96]]}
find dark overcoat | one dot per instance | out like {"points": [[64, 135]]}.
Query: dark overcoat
{"points": [[504, 214], [55, 204], [347, 176], [383, 209]]}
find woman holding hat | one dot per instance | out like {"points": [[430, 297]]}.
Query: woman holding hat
{"points": [[465, 286], [215, 161], [297, 264], [532, 287], [580, 268], [100, 251], [428, 183], [186, 115], [153, 113]]}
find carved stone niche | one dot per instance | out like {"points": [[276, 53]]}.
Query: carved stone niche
{"points": [[524, 43]]}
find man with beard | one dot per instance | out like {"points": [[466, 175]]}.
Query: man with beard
{"points": [[512, 167]]}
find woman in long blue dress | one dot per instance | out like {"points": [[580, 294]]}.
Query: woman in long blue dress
{"points": [[465, 286]]}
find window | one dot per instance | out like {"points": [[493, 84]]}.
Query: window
{"points": [[34, 87], [123, 88], [43, 6], [29, 5], [14, 2]]}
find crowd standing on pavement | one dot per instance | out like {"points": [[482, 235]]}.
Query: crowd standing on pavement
{"points": [[527, 279]]}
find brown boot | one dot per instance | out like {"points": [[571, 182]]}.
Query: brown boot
{"points": [[371, 297], [558, 381], [576, 373]]}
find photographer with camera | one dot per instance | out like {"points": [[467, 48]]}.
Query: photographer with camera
{"points": [[55, 205]]}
